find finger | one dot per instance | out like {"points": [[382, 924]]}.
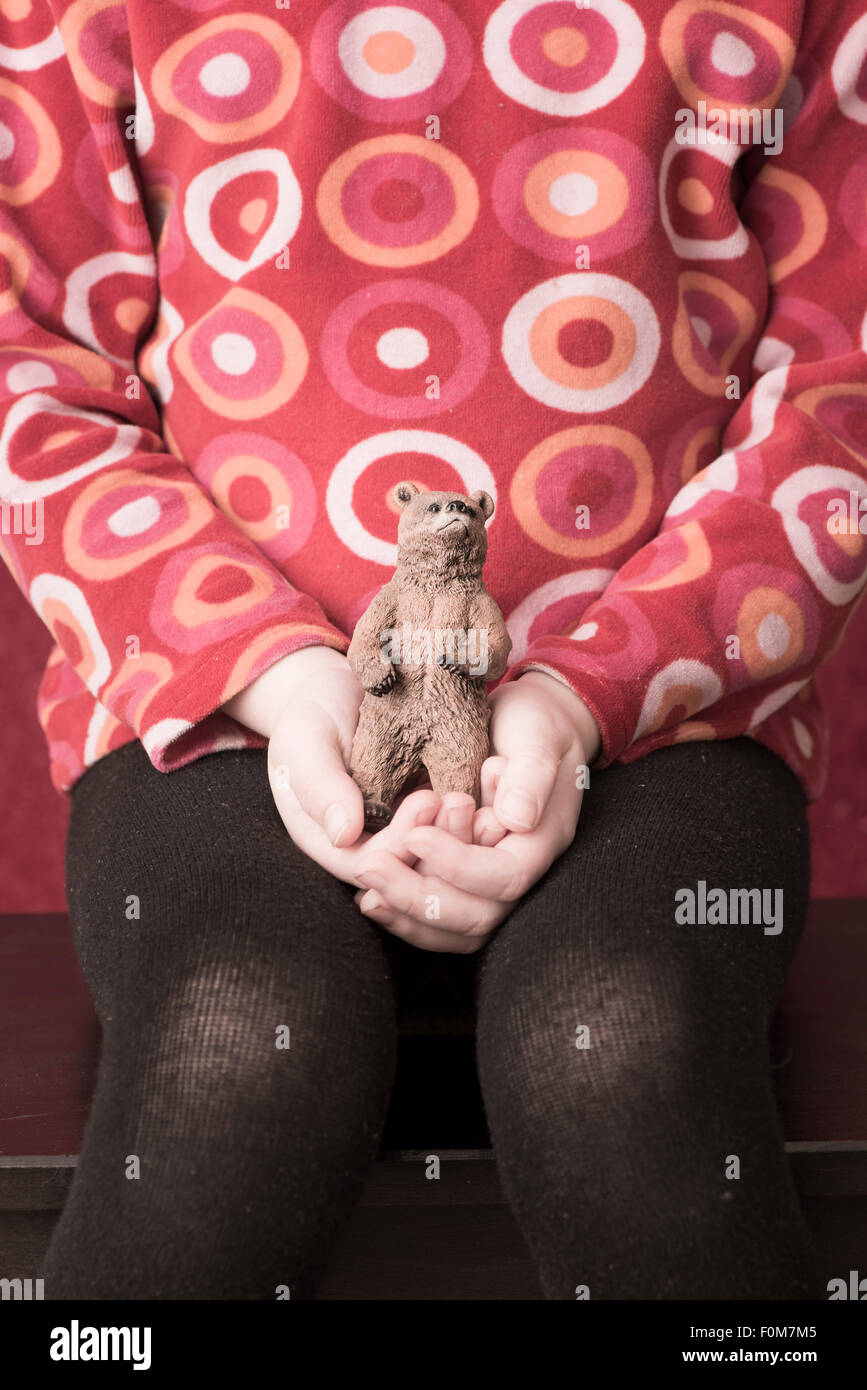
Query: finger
{"points": [[487, 830], [502, 872], [530, 742], [368, 901], [419, 808], [492, 770], [421, 934], [426, 899], [456, 816], [428, 938], [312, 761]]}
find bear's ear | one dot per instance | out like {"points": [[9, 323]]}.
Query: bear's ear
{"points": [[403, 493], [485, 502]]}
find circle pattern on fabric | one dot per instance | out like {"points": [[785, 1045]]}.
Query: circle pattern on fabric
{"points": [[67, 614], [30, 152], [794, 217], [113, 199], [75, 448], [161, 201], [622, 637], [773, 616], [136, 683], [678, 557], [836, 562], [207, 593], [572, 186], [841, 410], [583, 342], [601, 468], [404, 349], [241, 212], [391, 62], [694, 197], [849, 72], [244, 358], [29, 279], [37, 52], [676, 693], [555, 607], [713, 324], [263, 488], [90, 29], [724, 54], [561, 58], [456, 468], [799, 325], [397, 200], [122, 519], [123, 287], [230, 80]]}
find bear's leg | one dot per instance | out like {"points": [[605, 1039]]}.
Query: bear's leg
{"points": [[384, 753], [456, 750]]}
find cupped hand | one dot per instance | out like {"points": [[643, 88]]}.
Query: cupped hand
{"points": [[306, 705], [320, 805], [466, 869]]}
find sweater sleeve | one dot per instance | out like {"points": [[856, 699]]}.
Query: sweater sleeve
{"points": [[163, 607], [760, 559]]}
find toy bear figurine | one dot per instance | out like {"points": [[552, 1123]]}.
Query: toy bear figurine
{"points": [[423, 650]]}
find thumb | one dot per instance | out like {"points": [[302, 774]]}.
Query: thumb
{"points": [[306, 759], [529, 743]]}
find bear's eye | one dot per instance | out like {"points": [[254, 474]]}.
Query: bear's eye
{"points": [[434, 507]]}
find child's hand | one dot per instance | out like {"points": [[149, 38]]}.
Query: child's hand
{"points": [[307, 707], [470, 874]]}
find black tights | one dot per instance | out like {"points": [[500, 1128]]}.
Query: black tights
{"points": [[618, 1158]]}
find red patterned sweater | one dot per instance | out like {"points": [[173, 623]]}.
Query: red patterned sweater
{"points": [[260, 262]]}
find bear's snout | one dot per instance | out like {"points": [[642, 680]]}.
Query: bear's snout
{"points": [[451, 522], [455, 514]]}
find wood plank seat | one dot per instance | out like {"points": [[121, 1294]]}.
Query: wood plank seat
{"points": [[412, 1237]]}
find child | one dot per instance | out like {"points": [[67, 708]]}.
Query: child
{"points": [[602, 262]]}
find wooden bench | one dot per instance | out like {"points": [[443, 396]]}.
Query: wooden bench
{"points": [[454, 1238]]}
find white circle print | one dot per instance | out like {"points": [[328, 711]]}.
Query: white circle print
{"points": [[503, 59], [620, 307], [469, 465]]}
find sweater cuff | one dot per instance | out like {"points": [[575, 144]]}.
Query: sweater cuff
{"points": [[190, 707]]}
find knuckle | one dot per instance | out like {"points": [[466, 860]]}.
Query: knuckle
{"points": [[374, 863], [431, 887], [541, 753]]}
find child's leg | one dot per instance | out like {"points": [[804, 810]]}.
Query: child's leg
{"points": [[649, 1163], [249, 1040]]}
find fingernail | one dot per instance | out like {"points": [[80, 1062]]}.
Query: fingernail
{"points": [[335, 822], [520, 807], [370, 879], [456, 820], [372, 902]]}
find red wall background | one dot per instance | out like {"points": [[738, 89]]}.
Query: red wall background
{"points": [[34, 815]]}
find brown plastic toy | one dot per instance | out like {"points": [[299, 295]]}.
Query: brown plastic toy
{"points": [[423, 650]]}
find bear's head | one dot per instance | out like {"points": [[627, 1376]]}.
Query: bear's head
{"points": [[442, 534]]}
